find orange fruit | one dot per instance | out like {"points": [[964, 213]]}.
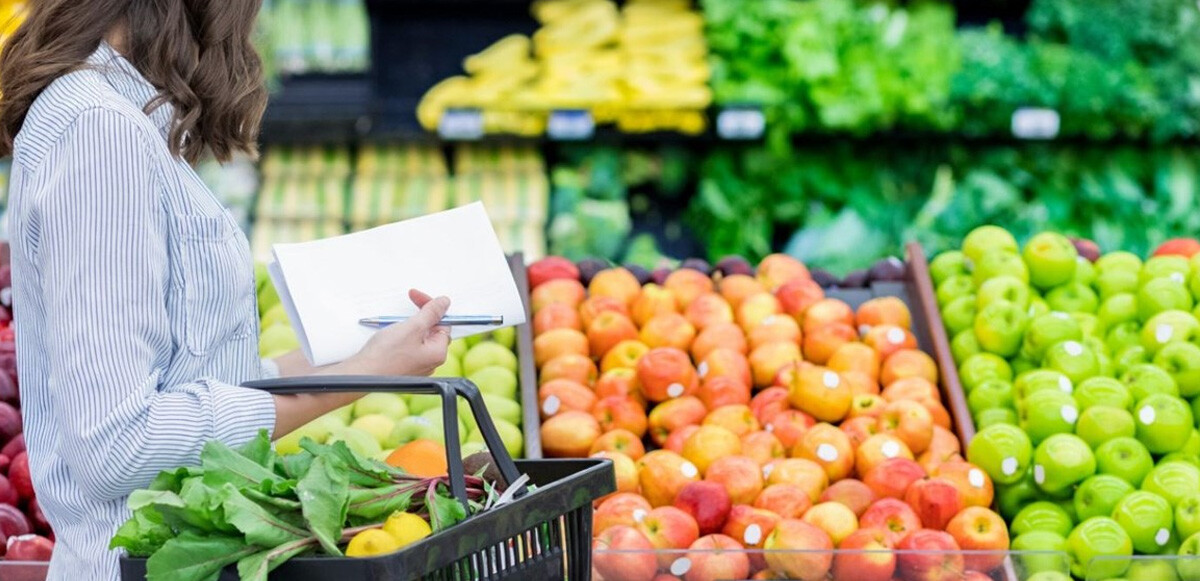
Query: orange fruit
{"points": [[424, 458]]}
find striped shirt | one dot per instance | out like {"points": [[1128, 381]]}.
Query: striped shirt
{"points": [[135, 308]]}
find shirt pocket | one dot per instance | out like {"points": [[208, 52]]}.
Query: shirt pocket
{"points": [[217, 281]]}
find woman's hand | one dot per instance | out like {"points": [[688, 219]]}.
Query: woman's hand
{"points": [[415, 347]]}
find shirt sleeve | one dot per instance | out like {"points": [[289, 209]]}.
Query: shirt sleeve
{"points": [[102, 252]]}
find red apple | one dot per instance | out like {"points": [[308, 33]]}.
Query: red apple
{"points": [[678, 438], [29, 548], [850, 492], [979, 529], [717, 557], [594, 305], [1185, 247], [797, 295], [865, 555], [719, 336], [673, 414], [556, 316], [799, 550], [550, 268], [910, 422], [789, 426], [662, 474], [751, 526], [620, 413], [707, 502], [763, 447], [622, 508], [834, 518], [622, 552], [930, 555], [723, 390], [892, 516], [737, 287], [13, 522], [935, 500], [739, 475], [619, 440], [974, 485], [785, 500], [892, 478], [668, 529], [826, 312], [768, 402]]}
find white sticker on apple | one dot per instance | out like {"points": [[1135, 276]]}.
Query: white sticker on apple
{"points": [[768, 320], [702, 369], [1039, 474], [681, 566], [1060, 315], [551, 405], [895, 335], [770, 428], [863, 330], [689, 470], [832, 380], [1147, 415], [675, 389], [1162, 333], [976, 478], [1177, 277], [767, 470], [1064, 384], [1073, 348], [424, 421], [1162, 537], [639, 514], [1070, 414], [827, 452], [753, 535], [890, 449], [1008, 466]]}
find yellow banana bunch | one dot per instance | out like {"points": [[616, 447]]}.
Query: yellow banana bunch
{"points": [[441, 97], [508, 51], [551, 11]]}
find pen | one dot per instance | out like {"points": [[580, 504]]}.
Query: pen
{"points": [[449, 320]]}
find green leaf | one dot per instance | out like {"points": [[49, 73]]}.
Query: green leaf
{"points": [[361, 471], [259, 450], [369, 505], [294, 466], [192, 557], [224, 466], [257, 566], [324, 493], [260, 526], [172, 480], [444, 510], [279, 503], [143, 534]]}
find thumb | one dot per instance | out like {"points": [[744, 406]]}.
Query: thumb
{"points": [[431, 313]]}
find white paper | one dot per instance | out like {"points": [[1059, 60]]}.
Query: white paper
{"points": [[328, 285]]}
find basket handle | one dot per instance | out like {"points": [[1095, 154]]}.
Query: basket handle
{"points": [[448, 388]]}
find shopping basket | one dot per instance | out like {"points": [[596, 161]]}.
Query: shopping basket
{"points": [[544, 534]]}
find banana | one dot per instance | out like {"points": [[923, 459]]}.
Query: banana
{"points": [[450, 92], [511, 49]]}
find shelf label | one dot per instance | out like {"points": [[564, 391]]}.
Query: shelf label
{"points": [[1035, 123], [741, 123], [570, 125], [461, 125]]}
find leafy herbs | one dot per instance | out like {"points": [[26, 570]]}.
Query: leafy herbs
{"points": [[252, 508]]}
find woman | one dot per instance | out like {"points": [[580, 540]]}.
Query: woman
{"points": [[136, 315]]}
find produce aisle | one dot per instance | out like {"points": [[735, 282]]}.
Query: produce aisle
{"points": [[836, 289]]}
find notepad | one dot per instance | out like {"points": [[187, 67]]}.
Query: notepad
{"points": [[327, 285]]}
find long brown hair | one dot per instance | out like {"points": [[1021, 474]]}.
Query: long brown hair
{"points": [[198, 53]]}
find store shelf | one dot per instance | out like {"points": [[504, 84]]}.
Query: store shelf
{"points": [[319, 109]]}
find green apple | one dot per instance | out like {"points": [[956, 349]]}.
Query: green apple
{"points": [[955, 287], [1187, 515], [1042, 516], [1011, 498], [1145, 379], [1194, 282], [982, 367], [361, 442], [1168, 266], [1129, 357], [514, 440], [1147, 569], [1000, 327], [1037, 307], [503, 408], [1003, 288], [1046, 413], [1066, 501], [388, 404], [948, 264], [1117, 309], [1123, 335], [1182, 362], [268, 297], [1073, 359], [1164, 422], [1169, 326], [1102, 354], [345, 413], [289, 444], [1089, 324], [1104, 391], [1035, 380], [426, 426], [472, 447], [320, 429], [1049, 329], [1061, 461], [1110, 283], [1188, 564], [993, 416], [276, 315], [1098, 495], [1034, 553], [451, 367], [1173, 481], [277, 340], [1000, 264], [488, 354], [1001, 450], [1022, 364], [1099, 424], [1085, 271], [1192, 446], [1147, 518], [458, 348], [1125, 458], [964, 345], [1073, 297], [992, 393], [1119, 261], [1102, 537], [378, 425], [1162, 294], [434, 417], [985, 239], [505, 336], [420, 403], [960, 314], [1060, 561], [496, 380], [1051, 259]]}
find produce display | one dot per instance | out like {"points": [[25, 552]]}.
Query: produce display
{"points": [[641, 66], [401, 429], [744, 409], [255, 509], [1081, 373], [315, 36], [25, 533]]}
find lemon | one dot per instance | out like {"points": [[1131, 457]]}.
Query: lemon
{"points": [[370, 543], [407, 528]]}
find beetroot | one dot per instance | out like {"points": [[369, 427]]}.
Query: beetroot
{"points": [[12, 522], [14, 446], [8, 495], [10, 422], [18, 475], [29, 548], [5, 461], [8, 389], [40, 523]]}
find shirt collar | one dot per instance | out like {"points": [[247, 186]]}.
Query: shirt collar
{"points": [[130, 84]]}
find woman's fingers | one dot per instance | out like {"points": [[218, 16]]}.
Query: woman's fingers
{"points": [[418, 298], [431, 314]]}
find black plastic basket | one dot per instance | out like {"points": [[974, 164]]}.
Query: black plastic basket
{"points": [[544, 534]]}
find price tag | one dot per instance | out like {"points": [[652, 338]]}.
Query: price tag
{"points": [[741, 123], [461, 125], [571, 125], [1035, 123]]}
